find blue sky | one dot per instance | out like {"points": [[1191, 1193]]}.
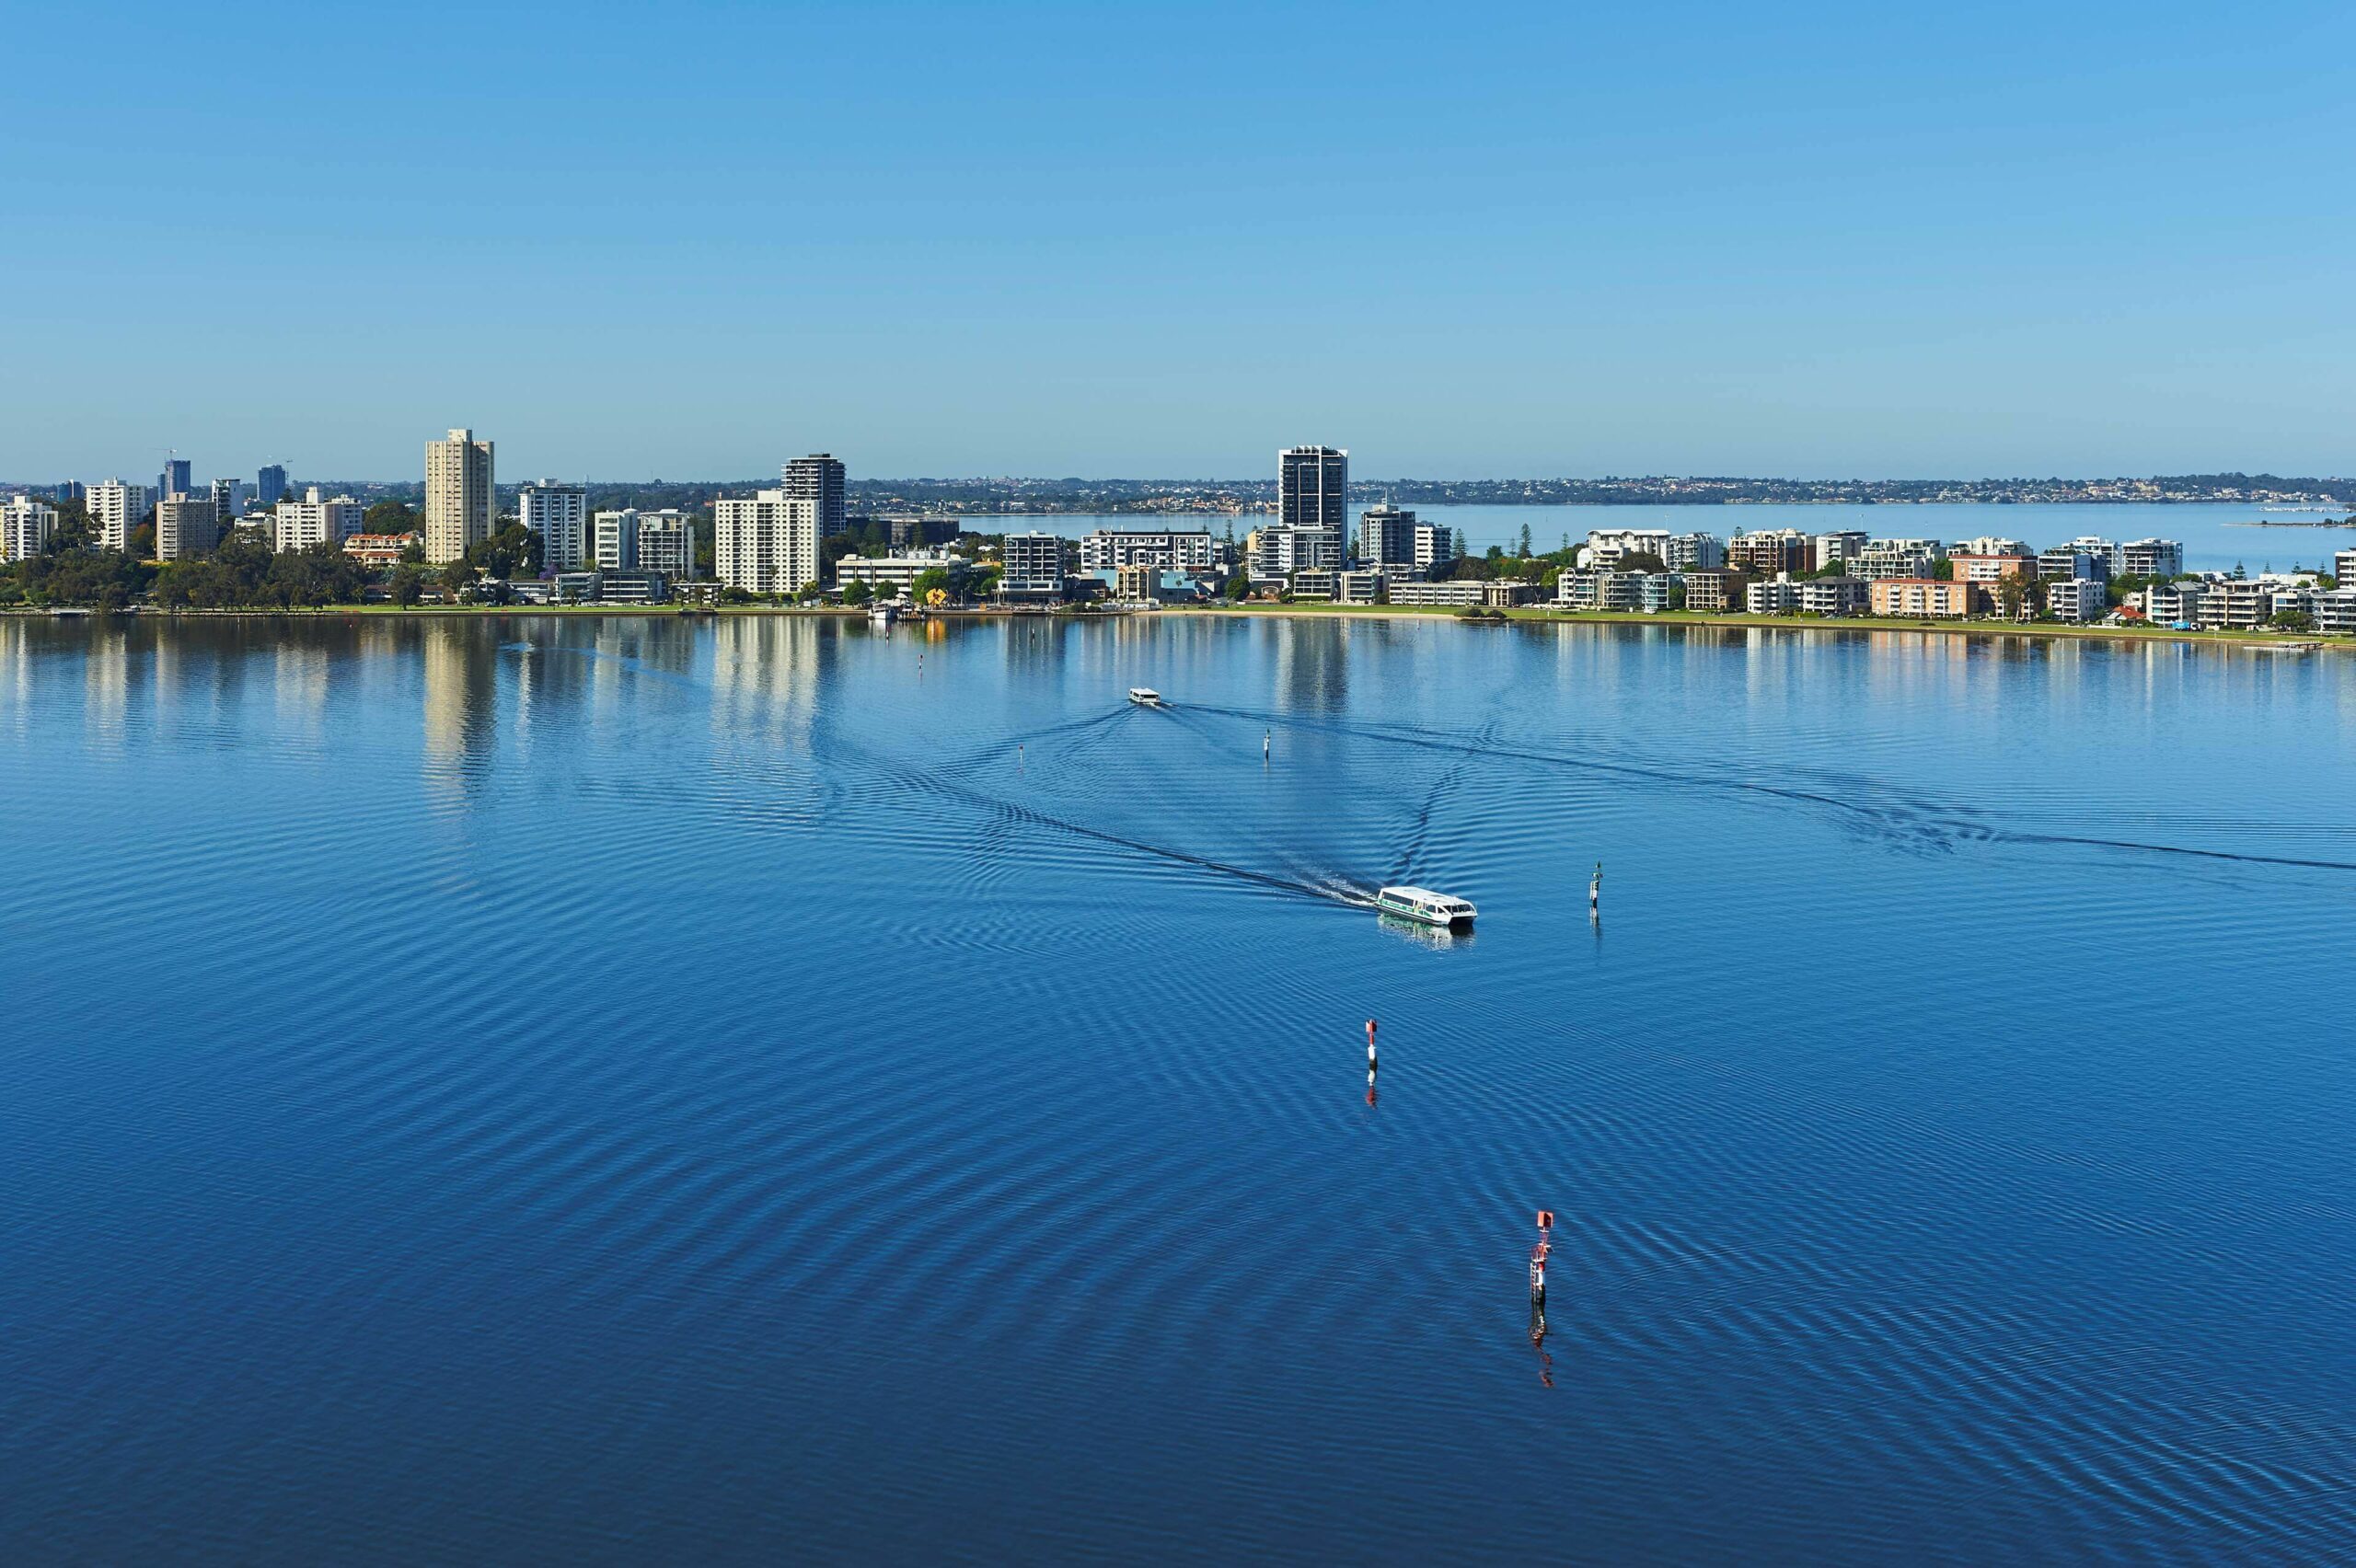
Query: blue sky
{"points": [[692, 239]]}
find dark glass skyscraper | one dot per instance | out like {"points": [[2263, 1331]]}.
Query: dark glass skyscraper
{"points": [[1313, 492], [818, 478], [269, 486]]}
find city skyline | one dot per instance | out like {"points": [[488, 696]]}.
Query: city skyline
{"points": [[1704, 239]]}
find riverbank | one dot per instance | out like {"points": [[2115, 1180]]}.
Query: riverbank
{"points": [[2050, 630], [2267, 640]]}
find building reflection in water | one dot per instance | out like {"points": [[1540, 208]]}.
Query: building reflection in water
{"points": [[766, 672], [460, 663]]}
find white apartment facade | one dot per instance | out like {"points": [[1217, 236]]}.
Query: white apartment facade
{"points": [[25, 527], [766, 542], [298, 525], [1109, 549], [116, 509], [559, 513]]}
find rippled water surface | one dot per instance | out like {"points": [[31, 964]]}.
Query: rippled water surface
{"points": [[600, 1090]]}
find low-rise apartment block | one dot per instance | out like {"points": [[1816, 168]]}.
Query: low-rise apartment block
{"points": [[1925, 598], [1108, 549], [314, 520]]}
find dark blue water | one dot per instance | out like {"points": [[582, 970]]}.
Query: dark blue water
{"points": [[600, 1091]]}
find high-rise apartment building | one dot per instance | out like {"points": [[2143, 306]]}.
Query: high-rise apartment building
{"points": [[1031, 566], [269, 486], [667, 543], [765, 542], [1387, 536], [225, 500], [25, 527], [1434, 546], [116, 510], [298, 525], [616, 534], [186, 526], [818, 478], [1313, 492], [457, 496], [559, 513]]}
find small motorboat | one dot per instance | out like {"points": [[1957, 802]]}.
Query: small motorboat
{"points": [[1422, 904], [1144, 696]]}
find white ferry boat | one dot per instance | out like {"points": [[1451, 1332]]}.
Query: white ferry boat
{"points": [[1144, 696], [1423, 904]]}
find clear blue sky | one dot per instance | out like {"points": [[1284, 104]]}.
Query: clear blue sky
{"points": [[689, 240]]}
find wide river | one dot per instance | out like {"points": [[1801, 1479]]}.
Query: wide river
{"points": [[544, 1089]]}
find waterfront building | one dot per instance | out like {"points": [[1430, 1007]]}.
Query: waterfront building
{"points": [[1139, 584], [573, 587], [296, 524], [1428, 595], [2148, 557], [1434, 546], [1708, 590], [2082, 600], [25, 527], [1605, 547], [269, 486], [616, 535], [819, 479], [765, 542], [2173, 604], [896, 575], [667, 544], [1315, 584], [1832, 597], [1772, 551], [559, 513], [1658, 591], [1985, 571], [1599, 588], [1282, 549], [1840, 550], [1895, 557], [2344, 568], [1387, 536], [1776, 595], [459, 477], [632, 588], [1312, 492], [1694, 552], [116, 510], [1989, 546], [1924, 598], [2235, 605], [1109, 549], [380, 549], [1031, 567], [1506, 593], [1360, 587], [186, 528], [2334, 611], [2074, 559]]}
